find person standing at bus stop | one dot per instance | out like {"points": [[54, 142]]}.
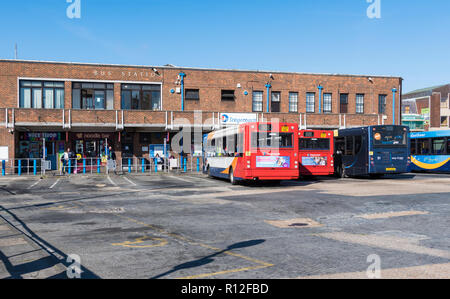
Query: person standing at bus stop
{"points": [[112, 158]]}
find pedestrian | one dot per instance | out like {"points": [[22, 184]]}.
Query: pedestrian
{"points": [[112, 159], [65, 160]]}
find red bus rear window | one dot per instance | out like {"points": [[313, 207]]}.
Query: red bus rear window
{"points": [[314, 144], [272, 140]]}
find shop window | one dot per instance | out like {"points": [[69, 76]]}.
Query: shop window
{"points": [[92, 96], [41, 94], [141, 97]]}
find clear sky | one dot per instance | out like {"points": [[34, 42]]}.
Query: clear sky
{"points": [[411, 39]]}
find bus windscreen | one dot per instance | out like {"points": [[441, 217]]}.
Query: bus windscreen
{"points": [[272, 140], [314, 144], [390, 135]]}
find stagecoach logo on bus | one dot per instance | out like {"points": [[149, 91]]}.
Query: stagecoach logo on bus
{"points": [[237, 118]]}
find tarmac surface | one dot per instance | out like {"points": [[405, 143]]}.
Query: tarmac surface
{"points": [[190, 226]]}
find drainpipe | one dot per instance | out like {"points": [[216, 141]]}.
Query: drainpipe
{"points": [[320, 98], [394, 91], [182, 75], [268, 86]]}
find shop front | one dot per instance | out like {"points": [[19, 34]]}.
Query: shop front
{"points": [[36, 145], [92, 145]]}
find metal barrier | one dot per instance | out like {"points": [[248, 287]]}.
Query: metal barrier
{"points": [[140, 165]]}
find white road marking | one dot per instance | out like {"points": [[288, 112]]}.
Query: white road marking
{"points": [[129, 181], [53, 186], [184, 180], [111, 181], [37, 182]]}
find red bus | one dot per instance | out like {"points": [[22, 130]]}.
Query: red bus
{"points": [[316, 149], [252, 151]]}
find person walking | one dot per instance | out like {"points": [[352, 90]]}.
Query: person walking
{"points": [[112, 159], [65, 160]]}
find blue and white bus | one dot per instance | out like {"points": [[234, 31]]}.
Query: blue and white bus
{"points": [[430, 151], [372, 151]]}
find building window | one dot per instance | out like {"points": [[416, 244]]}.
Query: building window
{"points": [[41, 94], [192, 94], [444, 121], [327, 102], [310, 102], [92, 96], [257, 101], [275, 102], [360, 104], [141, 97], [293, 102], [344, 103], [382, 104], [227, 95]]}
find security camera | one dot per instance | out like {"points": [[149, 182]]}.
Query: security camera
{"points": [[370, 79], [271, 77]]}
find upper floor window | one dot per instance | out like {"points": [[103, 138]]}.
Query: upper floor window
{"points": [[310, 102], [95, 96], [227, 95], [141, 97], [360, 104], [343, 103], [192, 94], [293, 102], [382, 104], [275, 102], [257, 101], [41, 94], [327, 103]]}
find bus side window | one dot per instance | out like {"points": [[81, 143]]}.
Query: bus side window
{"points": [[413, 147], [423, 146], [240, 144], [448, 146], [349, 146], [438, 146], [358, 144]]}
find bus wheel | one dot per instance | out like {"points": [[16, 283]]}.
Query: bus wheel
{"points": [[232, 179], [208, 171]]}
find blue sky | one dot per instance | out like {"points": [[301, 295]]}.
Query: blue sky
{"points": [[411, 40]]}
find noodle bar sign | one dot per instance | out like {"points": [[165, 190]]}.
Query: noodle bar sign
{"points": [[93, 135]]}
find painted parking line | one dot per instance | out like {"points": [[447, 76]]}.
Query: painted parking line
{"points": [[35, 184], [54, 184], [129, 181], [260, 264], [138, 241], [111, 181]]}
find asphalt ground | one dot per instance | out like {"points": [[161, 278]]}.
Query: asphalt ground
{"points": [[191, 226]]}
